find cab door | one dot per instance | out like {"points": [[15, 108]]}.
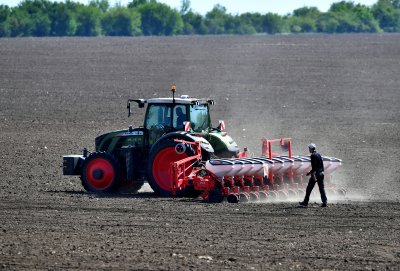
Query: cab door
{"points": [[158, 121]]}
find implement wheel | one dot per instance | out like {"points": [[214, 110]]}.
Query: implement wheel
{"points": [[100, 173], [159, 167], [215, 196]]}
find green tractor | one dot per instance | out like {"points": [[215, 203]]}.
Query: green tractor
{"points": [[123, 160]]}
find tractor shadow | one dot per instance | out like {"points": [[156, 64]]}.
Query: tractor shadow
{"points": [[141, 195]]}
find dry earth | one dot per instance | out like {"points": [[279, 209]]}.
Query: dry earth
{"points": [[339, 91]]}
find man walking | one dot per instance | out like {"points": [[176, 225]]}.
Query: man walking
{"points": [[317, 176]]}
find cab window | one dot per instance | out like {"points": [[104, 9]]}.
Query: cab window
{"points": [[179, 117], [158, 116], [199, 118], [158, 121]]}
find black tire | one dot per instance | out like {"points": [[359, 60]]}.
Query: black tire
{"points": [[100, 173], [189, 192], [159, 164], [215, 196], [132, 181]]}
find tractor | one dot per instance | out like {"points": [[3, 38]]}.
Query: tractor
{"points": [[124, 159]]}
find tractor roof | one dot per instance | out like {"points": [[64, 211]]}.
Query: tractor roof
{"points": [[184, 99], [177, 100]]}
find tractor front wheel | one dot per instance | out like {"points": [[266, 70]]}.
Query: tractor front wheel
{"points": [[100, 173]]}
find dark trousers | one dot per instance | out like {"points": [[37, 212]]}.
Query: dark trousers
{"points": [[310, 186]]}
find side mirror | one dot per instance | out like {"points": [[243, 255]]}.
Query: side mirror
{"points": [[140, 103], [221, 125], [243, 154], [187, 126]]}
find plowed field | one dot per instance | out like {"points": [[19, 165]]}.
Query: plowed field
{"points": [[341, 92]]}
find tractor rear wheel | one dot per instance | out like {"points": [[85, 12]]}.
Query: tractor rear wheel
{"points": [[100, 173], [159, 167]]}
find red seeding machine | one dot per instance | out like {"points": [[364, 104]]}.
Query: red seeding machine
{"points": [[179, 153], [269, 177]]}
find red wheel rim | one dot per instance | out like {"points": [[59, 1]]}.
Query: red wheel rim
{"points": [[161, 169], [107, 173]]}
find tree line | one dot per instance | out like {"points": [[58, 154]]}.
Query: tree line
{"points": [[148, 17]]}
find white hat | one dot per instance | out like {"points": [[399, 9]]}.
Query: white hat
{"points": [[312, 146]]}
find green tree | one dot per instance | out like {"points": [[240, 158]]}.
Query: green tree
{"points": [[63, 22], [5, 12], [343, 12], [35, 6], [193, 23], [353, 18], [68, 18], [88, 21], [342, 7], [41, 25], [216, 20], [310, 12], [136, 3], [388, 15], [304, 20], [20, 23], [273, 23], [37, 21], [327, 23], [185, 7], [102, 5], [395, 3], [302, 24], [231, 24], [159, 19], [255, 20], [121, 22], [366, 20], [242, 27]]}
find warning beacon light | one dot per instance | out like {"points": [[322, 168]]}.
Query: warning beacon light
{"points": [[173, 89]]}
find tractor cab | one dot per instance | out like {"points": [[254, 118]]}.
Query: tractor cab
{"points": [[165, 115], [185, 118]]}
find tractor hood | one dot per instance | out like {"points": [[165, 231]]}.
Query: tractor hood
{"points": [[223, 144], [197, 137], [203, 143]]}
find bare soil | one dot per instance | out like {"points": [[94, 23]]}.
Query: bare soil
{"points": [[338, 91]]}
